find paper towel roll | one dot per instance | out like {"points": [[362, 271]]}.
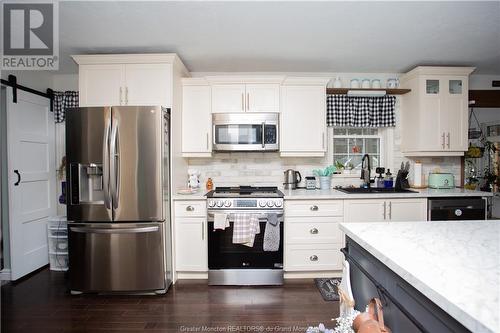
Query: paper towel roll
{"points": [[417, 174]]}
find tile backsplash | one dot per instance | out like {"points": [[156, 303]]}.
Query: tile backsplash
{"points": [[231, 169]]}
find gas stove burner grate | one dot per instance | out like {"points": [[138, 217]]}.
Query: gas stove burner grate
{"points": [[260, 191]]}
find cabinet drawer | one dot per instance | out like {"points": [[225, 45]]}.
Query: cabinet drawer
{"points": [[191, 208], [313, 230], [314, 208], [313, 258]]}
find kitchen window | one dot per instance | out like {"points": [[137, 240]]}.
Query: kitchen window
{"points": [[350, 144]]}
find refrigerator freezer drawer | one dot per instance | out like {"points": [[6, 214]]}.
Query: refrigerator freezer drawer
{"points": [[116, 257]]}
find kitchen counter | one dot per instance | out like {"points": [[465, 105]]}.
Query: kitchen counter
{"points": [[200, 195], [302, 194], [454, 264]]}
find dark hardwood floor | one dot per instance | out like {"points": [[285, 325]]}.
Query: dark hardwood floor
{"points": [[41, 303]]}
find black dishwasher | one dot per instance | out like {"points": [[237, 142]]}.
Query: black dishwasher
{"points": [[445, 209]]}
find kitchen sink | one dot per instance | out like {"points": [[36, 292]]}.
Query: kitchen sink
{"points": [[374, 190]]}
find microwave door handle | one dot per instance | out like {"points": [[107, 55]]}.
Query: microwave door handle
{"points": [[263, 135]]}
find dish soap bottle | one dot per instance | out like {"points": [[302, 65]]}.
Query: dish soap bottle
{"points": [[388, 180]]}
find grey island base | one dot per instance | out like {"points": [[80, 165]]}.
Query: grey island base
{"points": [[430, 276]]}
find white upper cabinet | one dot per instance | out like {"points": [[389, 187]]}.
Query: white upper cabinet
{"points": [[228, 98], [245, 93], [263, 97], [101, 85], [303, 118], [196, 118], [435, 113], [127, 79], [148, 84]]}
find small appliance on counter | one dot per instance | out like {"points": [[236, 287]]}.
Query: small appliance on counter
{"points": [[441, 180], [291, 179], [310, 183]]}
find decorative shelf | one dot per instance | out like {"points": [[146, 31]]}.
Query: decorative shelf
{"points": [[343, 91]]}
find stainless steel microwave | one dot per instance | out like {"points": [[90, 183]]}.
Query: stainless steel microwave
{"points": [[245, 131]]}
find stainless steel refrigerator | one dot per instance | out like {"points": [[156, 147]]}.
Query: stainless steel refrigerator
{"points": [[118, 205]]}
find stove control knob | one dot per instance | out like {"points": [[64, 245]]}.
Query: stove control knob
{"points": [[227, 203], [220, 203], [211, 203], [270, 203], [278, 203], [262, 203]]}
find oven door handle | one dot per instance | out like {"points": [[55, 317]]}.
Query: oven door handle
{"points": [[258, 212]]}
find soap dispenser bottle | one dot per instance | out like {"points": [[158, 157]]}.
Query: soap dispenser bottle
{"points": [[388, 180]]}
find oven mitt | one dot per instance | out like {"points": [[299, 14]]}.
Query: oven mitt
{"points": [[272, 234]]}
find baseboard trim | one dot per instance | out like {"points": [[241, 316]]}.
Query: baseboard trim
{"points": [[312, 274], [5, 275]]}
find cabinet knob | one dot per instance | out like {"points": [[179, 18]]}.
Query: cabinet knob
{"points": [[314, 208], [313, 231], [189, 208], [313, 258]]}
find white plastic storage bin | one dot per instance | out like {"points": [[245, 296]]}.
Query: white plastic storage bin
{"points": [[57, 231], [58, 261]]}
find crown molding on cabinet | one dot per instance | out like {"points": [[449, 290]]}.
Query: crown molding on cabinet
{"points": [[242, 79], [194, 81], [133, 58], [305, 81], [437, 70]]}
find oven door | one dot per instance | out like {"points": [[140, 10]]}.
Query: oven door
{"points": [[245, 132], [223, 254]]}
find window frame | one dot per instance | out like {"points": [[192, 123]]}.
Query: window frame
{"points": [[385, 135]]}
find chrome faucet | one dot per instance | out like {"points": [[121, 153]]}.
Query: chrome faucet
{"points": [[365, 171]]}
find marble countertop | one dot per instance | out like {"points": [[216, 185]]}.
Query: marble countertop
{"points": [[200, 195], [454, 264], [302, 194]]}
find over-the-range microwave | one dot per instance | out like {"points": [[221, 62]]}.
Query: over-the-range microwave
{"points": [[245, 131]]}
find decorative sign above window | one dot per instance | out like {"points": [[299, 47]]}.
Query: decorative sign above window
{"points": [[347, 111]]}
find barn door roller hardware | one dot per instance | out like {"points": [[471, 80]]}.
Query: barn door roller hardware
{"points": [[12, 82]]}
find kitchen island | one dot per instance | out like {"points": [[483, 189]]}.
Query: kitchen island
{"points": [[436, 276]]}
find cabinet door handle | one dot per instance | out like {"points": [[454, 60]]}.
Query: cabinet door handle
{"points": [[313, 258], [385, 209], [314, 208], [242, 102], [121, 93], [443, 143], [18, 177], [248, 101], [190, 208], [126, 95], [314, 231], [207, 141], [203, 231], [448, 137], [390, 210]]}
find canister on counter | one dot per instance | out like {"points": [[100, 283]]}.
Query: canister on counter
{"points": [[310, 183]]}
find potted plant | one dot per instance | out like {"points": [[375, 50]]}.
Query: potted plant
{"points": [[325, 176]]}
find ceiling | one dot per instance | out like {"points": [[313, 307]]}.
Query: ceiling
{"points": [[288, 36]]}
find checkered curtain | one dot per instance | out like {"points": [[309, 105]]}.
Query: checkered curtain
{"points": [[349, 111], [63, 100]]}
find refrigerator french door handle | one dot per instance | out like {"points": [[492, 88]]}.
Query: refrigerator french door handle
{"points": [[114, 163], [114, 230], [105, 162]]}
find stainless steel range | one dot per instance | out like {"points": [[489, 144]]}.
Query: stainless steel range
{"points": [[237, 264]]}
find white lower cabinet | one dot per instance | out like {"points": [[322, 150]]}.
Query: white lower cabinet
{"points": [[379, 210], [312, 235], [190, 238]]}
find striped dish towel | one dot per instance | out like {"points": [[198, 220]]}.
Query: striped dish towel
{"points": [[246, 226]]}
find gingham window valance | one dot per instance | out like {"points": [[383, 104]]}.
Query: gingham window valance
{"points": [[62, 101], [349, 111]]}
